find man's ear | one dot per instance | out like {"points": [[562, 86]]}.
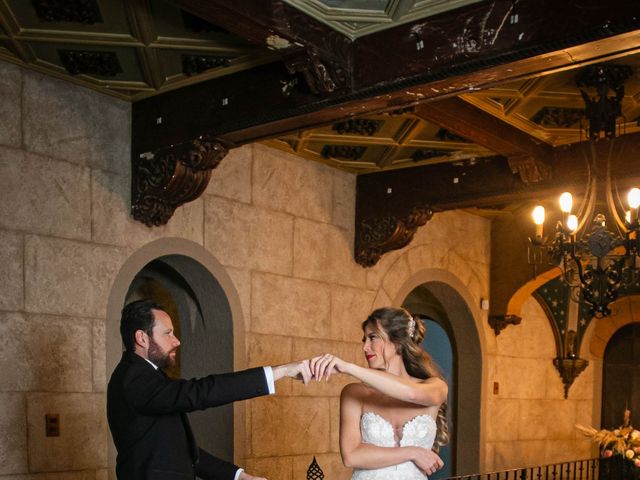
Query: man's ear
{"points": [[142, 339]]}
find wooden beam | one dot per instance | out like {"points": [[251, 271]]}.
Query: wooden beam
{"points": [[526, 154]]}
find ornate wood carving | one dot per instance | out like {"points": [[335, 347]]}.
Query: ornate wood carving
{"points": [[500, 322], [76, 11], [319, 77], [343, 152], [358, 126], [103, 64], [569, 369], [378, 235], [170, 177], [531, 170], [195, 64]]}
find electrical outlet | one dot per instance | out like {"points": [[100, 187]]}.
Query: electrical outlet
{"points": [[52, 424]]}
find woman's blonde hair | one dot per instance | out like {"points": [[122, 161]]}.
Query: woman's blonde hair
{"points": [[407, 333]]}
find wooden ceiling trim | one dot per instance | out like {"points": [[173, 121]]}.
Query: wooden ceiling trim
{"points": [[528, 154]]}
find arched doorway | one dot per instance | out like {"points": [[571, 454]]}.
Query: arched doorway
{"points": [[621, 376], [202, 321], [452, 340], [218, 302]]}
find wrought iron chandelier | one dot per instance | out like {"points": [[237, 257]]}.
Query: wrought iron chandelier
{"points": [[596, 263]]}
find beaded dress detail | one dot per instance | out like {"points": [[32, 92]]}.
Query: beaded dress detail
{"points": [[420, 431]]}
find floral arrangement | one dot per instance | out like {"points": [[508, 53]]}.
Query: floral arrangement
{"points": [[624, 440]]}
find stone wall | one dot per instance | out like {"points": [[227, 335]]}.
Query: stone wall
{"points": [[281, 227]]}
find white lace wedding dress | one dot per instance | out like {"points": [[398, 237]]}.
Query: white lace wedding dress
{"points": [[420, 431]]}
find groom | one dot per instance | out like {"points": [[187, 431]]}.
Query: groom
{"points": [[147, 410]]}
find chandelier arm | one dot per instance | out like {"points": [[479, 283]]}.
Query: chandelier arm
{"points": [[609, 194], [587, 206]]}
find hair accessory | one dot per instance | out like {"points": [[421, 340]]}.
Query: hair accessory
{"points": [[411, 327]]}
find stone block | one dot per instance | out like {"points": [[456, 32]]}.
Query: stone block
{"points": [[330, 463], [13, 425], [45, 196], [243, 236], [272, 467], [286, 183], [289, 426], [510, 372], [45, 353], [69, 278], [75, 124], [307, 348], [323, 252], [396, 277], [268, 350], [99, 354], [519, 454], [532, 424], [113, 224], [503, 418], [232, 177], [82, 443], [344, 200], [376, 274], [349, 308], [561, 420], [427, 256], [10, 105], [11, 272], [532, 338], [559, 451], [301, 308], [381, 300]]}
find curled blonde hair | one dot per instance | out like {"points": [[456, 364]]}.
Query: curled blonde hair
{"points": [[407, 333]]}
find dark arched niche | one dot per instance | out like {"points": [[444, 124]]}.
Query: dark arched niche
{"points": [[440, 301], [217, 299]]}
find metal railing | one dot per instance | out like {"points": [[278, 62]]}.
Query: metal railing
{"points": [[576, 470]]}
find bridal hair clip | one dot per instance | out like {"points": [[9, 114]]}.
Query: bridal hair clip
{"points": [[411, 327]]}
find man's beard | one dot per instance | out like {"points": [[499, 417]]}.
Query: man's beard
{"points": [[160, 358]]}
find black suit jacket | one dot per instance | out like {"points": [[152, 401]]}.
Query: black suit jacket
{"points": [[147, 417]]}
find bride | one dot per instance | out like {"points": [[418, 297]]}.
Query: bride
{"points": [[390, 422]]}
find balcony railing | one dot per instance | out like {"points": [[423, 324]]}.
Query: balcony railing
{"points": [[615, 468]]}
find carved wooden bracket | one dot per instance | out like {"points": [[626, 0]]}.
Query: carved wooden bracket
{"points": [[500, 322], [379, 235], [569, 369], [169, 177], [319, 77]]}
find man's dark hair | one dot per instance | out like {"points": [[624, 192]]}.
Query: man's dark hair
{"points": [[136, 316]]}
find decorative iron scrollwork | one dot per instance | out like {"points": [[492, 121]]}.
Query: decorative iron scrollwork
{"points": [[171, 177], [569, 369], [377, 236], [500, 322]]}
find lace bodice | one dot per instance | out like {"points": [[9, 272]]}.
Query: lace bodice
{"points": [[419, 431]]}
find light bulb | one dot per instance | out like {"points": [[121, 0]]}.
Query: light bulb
{"points": [[566, 201], [572, 224], [538, 215], [634, 197], [627, 216]]}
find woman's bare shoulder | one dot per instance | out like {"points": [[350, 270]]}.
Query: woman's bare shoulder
{"points": [[356, 390]]}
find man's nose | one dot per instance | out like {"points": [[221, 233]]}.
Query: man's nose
{"points": [[176, 342]]}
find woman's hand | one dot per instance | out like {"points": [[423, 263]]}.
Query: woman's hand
{"points": [[324, 365], [427, 460]]}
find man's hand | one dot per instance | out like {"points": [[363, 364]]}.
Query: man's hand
{"points": [[299, 370], [427, 460], [245, 476]]}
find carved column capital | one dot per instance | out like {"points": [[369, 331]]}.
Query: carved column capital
{"points": [[500, 322], [376, 236], [163, 180]]}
